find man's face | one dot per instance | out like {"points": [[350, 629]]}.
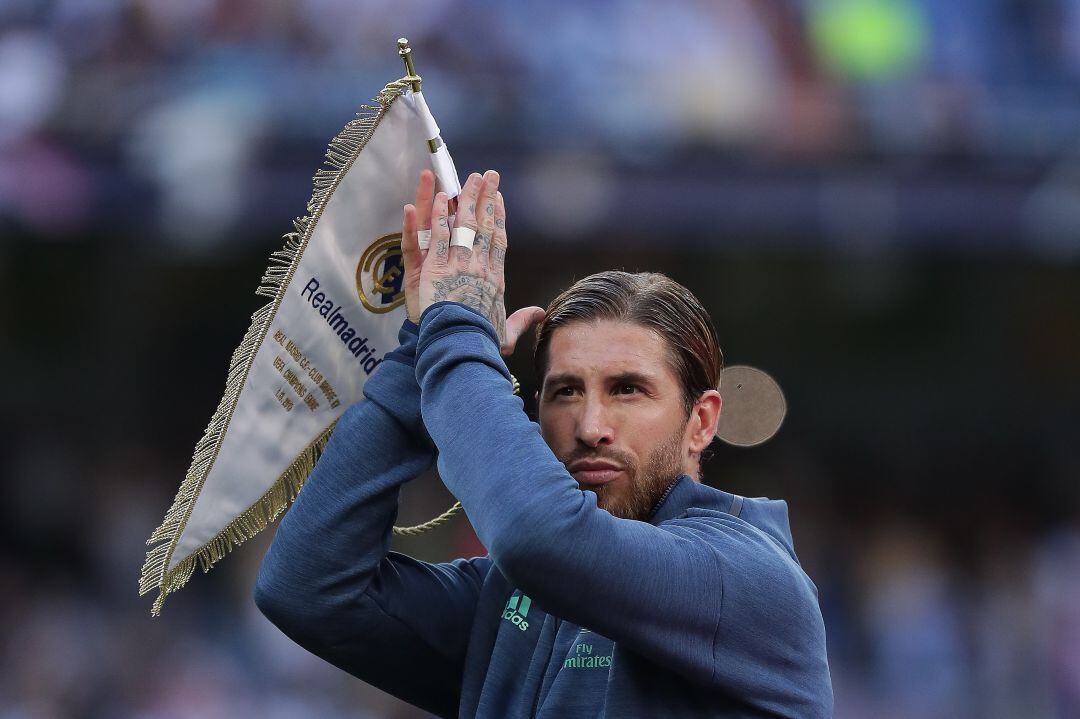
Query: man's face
{"points": [[611, 409]]}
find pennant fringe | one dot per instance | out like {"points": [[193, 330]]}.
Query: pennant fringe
{"points": [[340, 155]]}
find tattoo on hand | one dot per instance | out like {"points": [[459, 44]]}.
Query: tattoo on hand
{"points": [[464, 256], [475, 292]]}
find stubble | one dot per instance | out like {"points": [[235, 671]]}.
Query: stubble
{"points": [[647, 484]]}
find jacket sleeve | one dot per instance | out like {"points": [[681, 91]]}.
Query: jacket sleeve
{"points": [[701, 595], [329, 581]]}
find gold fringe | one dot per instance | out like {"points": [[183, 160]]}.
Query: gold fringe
{"points": [[253, 520], [340, 155]]}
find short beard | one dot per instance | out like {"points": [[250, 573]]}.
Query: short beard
{"points": [[646, 486]]}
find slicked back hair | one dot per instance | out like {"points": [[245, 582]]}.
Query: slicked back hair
{"points": [[651, 300]]}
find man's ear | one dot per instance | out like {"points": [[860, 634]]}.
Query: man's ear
{"points": [[704, 416]]}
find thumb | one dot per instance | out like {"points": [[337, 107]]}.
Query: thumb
{"points": [[518, 324]]}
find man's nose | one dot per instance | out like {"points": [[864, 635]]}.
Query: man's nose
{"points": [[594, 425]]}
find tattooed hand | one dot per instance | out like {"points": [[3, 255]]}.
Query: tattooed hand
{"points": [[472, 276]]}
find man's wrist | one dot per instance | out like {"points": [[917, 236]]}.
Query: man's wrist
{"points": [[408, 336], [446, 317], [394, 386]]}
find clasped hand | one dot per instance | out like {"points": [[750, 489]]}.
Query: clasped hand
{"points": [[472, 276]]}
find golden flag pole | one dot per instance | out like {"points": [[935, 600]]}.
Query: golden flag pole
{"points": [[406, 56], [415, 81]]}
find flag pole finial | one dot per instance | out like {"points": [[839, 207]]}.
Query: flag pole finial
{"points": [[406, 56]]}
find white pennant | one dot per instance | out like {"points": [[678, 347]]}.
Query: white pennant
{"points": [[337, 303]]}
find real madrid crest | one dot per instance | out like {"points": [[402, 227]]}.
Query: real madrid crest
{"points": [[380, 275]]}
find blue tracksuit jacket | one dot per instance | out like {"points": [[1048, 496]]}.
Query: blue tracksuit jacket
{"points": [[703, 611]]}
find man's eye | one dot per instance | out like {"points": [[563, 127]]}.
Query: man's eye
{"points": [[564, 392], [628, 389]]}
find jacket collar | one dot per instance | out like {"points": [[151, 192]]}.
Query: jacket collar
{"points": [[684, 493]]}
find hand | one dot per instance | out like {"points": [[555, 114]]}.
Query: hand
{"points": [[472, 276], [414, 260]]}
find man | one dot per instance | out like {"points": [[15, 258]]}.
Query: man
{"points": [[616, 584]]}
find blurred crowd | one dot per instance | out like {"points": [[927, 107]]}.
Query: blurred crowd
{"points": [[179, 121], [152, 151]]}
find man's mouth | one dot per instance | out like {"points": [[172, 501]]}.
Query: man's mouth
{"points": [[594, 473]]}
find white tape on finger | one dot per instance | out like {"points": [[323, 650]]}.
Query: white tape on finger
{"points": [[462, 237], [423, 238]]}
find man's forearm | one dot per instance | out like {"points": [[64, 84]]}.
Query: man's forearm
{"points": [[338, 531], [491, 458]]}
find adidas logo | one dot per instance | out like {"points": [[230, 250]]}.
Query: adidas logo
{"points": [[517, 608]]}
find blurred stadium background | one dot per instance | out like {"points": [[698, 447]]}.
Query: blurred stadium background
{"points": [[878, 200]]}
